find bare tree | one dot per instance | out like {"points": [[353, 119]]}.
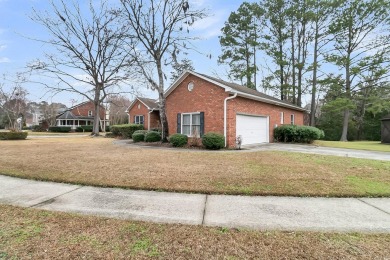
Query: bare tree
{"points": [[118, 105], [162, 30], [13, 105], [89, 54]]}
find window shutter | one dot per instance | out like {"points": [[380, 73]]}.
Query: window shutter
{"points": [[201, 124], [178, 123]]}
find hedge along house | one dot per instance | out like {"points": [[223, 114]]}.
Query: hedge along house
{"points": [[385, 130], [82, 115], [198, 104], [144, 111]]}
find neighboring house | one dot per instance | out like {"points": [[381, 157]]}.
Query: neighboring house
{"points": [[81, 115], [144, 111], [198, 104]]}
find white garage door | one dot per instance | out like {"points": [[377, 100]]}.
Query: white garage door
{"points": [[253, 129]]}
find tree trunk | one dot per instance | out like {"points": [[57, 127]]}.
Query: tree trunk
{"points": [[162, 103], [96, 118], [344, 134], [293, 61], [314, 86], [281, 71]]}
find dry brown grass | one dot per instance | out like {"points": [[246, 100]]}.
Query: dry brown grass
{"points": [[37, 234], [97, 161]]}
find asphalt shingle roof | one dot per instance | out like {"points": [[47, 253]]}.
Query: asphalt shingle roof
{"points": [[151, 103], [248, 90]]}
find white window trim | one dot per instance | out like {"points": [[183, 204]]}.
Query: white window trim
{"points": [[135, 119], [292, 119], [90, 113], [281, 118], [181, 125]]}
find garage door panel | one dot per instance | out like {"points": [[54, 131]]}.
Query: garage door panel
{"points": [[253, 129]]}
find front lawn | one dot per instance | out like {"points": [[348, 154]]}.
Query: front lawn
{"points": [[97, 161], [38, 234], [358, 145]]}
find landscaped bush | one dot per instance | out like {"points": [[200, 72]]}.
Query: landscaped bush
{"points": [[13, 135], [141, 132], [297, 134], [125, 131], [213, 141], [152, 136], [138, 137], [178, 140], [84, 128], [60, 129], [37, 128]]}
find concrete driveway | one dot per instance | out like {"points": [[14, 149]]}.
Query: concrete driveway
{"points": [[313, 149], [264, 213]]}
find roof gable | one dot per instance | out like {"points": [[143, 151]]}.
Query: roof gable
{"points": [[234, 88], [150, 104]]}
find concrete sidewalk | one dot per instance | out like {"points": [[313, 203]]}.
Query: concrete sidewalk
{"points": [[264, 213]]}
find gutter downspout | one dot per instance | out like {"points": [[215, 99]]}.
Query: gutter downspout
{"points": [[225, 116]]}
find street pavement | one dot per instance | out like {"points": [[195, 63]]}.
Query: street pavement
{"points": [[260, 213], [314, 149]]}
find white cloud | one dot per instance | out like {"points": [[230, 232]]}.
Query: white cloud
{"points": [[4, 60], [211, 26], [2, 47]]}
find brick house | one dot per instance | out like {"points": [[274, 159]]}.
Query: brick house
{"points": [[197, 104], [144, 111], [81, 115]]}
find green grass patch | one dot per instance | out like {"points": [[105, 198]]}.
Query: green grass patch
{"points": [[369, 187], [357, 145]]}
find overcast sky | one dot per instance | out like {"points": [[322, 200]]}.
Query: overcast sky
{"points": [[16, 49]]}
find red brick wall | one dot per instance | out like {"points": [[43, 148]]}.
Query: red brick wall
{"points": [[247, 106], [205, 97], [83, 110], [155, 119], [209, 98]]}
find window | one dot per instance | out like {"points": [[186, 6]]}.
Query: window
{"points": [[90, 113], [191, 124], [139, 120], [281, 118], [292, 119]]}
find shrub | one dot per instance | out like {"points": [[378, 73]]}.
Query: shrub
{"points": [[13, 135], [141, 132], [178, 140], [297, 134], [26, 128], [84, 128], [152, 136], [60, 129], [213, 141], [138, 137], [125, 131], [37, 128]]}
